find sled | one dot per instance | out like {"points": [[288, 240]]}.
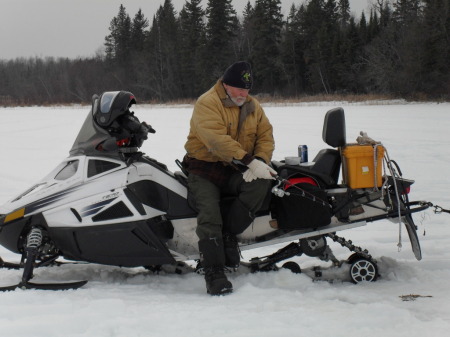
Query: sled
{"points": [[113, 205]]}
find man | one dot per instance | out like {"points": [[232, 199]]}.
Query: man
{"points": [[227, 127]]}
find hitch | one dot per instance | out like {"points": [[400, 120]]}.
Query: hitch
{"points": [[439, 209]]}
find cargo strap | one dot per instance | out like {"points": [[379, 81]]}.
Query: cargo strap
{"points": [[375, 165]]}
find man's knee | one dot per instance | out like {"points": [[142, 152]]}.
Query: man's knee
{"points": [[260, 186], [257, 189], [254, 193]]}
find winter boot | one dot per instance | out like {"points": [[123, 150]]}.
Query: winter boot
{"points": [[212, 258], [232, 252]]}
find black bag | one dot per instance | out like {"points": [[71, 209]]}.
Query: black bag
{"points": [[305, 207]]}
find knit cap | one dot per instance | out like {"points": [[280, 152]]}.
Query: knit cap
{"points": [[239, 75]]}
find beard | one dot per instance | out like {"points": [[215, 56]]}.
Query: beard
{"points": [[239, 100]]}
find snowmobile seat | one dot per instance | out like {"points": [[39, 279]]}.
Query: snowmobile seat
{"points": [[324, 180], [328, 162], [325, 167]]}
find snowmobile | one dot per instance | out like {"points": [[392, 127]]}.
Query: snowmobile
{"points": [[108, 203]]}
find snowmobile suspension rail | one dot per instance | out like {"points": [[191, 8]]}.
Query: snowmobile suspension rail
{"points": [[267, 263], [349, 244]]}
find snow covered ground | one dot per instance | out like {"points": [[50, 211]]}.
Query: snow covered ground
{"points": [[132, 302]]}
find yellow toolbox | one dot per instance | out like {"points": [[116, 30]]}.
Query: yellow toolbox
{"points": [[360, 166]]}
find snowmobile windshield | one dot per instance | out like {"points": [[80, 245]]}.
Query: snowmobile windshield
{"points": [[103, 124], [90, 138], [107, 101]]}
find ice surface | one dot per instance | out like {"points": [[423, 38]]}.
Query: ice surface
{"points": [[132, 302]]}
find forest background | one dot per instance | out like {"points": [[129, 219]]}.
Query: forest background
{"points": [[401, 49]]}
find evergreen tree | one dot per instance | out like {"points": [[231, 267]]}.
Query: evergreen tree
{"points": [[221, 30], [373, 28], [406, 11], [117, 43], [347, 63], [407, 23], [163, 54], [394, 56], [435, 63], [136, 73], [138, 31], [363, 29], [292, 49], [247, 34], [331, 36], [192, 41], [310, 25], [385, 12], [344, 12], [265, 57], [321, 29]]}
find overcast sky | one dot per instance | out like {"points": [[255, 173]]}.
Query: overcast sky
{"points": [[77, 28]]}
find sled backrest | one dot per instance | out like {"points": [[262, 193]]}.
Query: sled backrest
{"points": [[334, 128], [327, 162]]}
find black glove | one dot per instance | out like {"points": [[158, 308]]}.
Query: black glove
{"points": [[149, 127]]}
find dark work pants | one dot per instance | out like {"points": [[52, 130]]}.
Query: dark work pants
{"points": [[207, 198]]}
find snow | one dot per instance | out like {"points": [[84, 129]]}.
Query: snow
{"points": [[133, 302]]}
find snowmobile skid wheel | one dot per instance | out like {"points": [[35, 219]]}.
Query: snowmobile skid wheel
{"points": [[363, 270], [293, 267], [313, 246]]}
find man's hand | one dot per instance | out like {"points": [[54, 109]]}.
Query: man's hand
{"points": [[258, 169]]}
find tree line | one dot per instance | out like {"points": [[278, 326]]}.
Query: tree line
{"points": [[401, 48]]}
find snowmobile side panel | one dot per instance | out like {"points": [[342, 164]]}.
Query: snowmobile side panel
{"points": [[129, 244], [157, 196], [10, 232], [135, 201], [51, 192]]}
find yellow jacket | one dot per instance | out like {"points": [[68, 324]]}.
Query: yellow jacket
{"points": [[214, 136]]}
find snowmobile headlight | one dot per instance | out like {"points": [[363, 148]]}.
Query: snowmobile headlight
{"points": [[14, 215]]}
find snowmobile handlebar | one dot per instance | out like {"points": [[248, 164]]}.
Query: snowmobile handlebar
{"points": [[149, 127]]}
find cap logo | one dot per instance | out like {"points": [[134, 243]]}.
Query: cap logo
{"points": [[246, 77]]}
